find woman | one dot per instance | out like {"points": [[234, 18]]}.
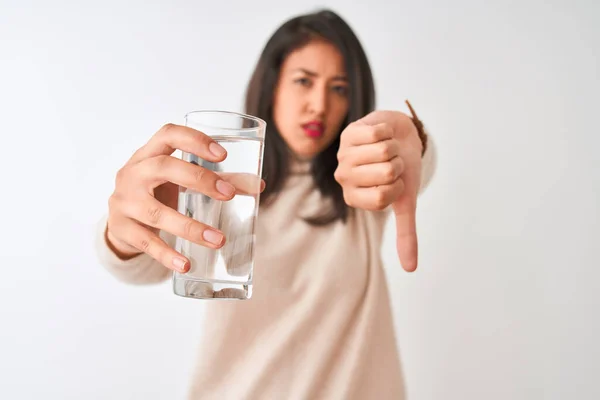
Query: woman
{"points": [[319, 324]]}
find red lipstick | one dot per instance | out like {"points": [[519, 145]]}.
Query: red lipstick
{"points": [[314, 129]]}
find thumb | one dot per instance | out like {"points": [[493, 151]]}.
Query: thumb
{"points": [[405, 208]]}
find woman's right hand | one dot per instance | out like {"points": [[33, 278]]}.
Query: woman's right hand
{"points": [[145, 197]]}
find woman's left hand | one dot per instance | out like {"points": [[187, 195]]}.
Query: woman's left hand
{"points": [[380, 165]]}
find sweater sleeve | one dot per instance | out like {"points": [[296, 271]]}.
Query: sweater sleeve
{"points": [[139, 270]]}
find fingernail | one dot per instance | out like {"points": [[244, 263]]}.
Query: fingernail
{"points": [[180, 264], [216, 149], [225, 188], [213, 237]]}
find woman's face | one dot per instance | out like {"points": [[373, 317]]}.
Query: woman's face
{"points": [[311, 100]]}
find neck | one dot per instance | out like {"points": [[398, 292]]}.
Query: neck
{"points": [[299, 164]]}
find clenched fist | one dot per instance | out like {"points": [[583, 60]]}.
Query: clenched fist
{"points": [[380, 166]]}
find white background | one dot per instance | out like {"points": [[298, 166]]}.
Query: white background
{"points": [[505, 304]]}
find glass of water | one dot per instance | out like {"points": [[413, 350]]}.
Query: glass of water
{"points": [[225, 272]]}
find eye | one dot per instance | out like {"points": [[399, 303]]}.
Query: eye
{"points": [[303, 81], [341, 90]]}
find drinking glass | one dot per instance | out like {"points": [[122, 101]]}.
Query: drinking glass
{"points": [[225, 272]]}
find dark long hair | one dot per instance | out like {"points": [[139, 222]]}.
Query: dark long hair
{"points": [[290, 36]]}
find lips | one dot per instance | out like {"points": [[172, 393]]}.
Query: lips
{"points": [[314, 129]]}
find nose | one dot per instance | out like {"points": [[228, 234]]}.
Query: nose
{"points": [[318, 100]]}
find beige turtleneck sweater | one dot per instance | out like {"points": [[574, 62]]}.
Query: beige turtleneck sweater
{"points": [[319, 324]]}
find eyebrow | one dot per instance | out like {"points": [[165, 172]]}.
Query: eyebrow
{"points": [[311, 73]]}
